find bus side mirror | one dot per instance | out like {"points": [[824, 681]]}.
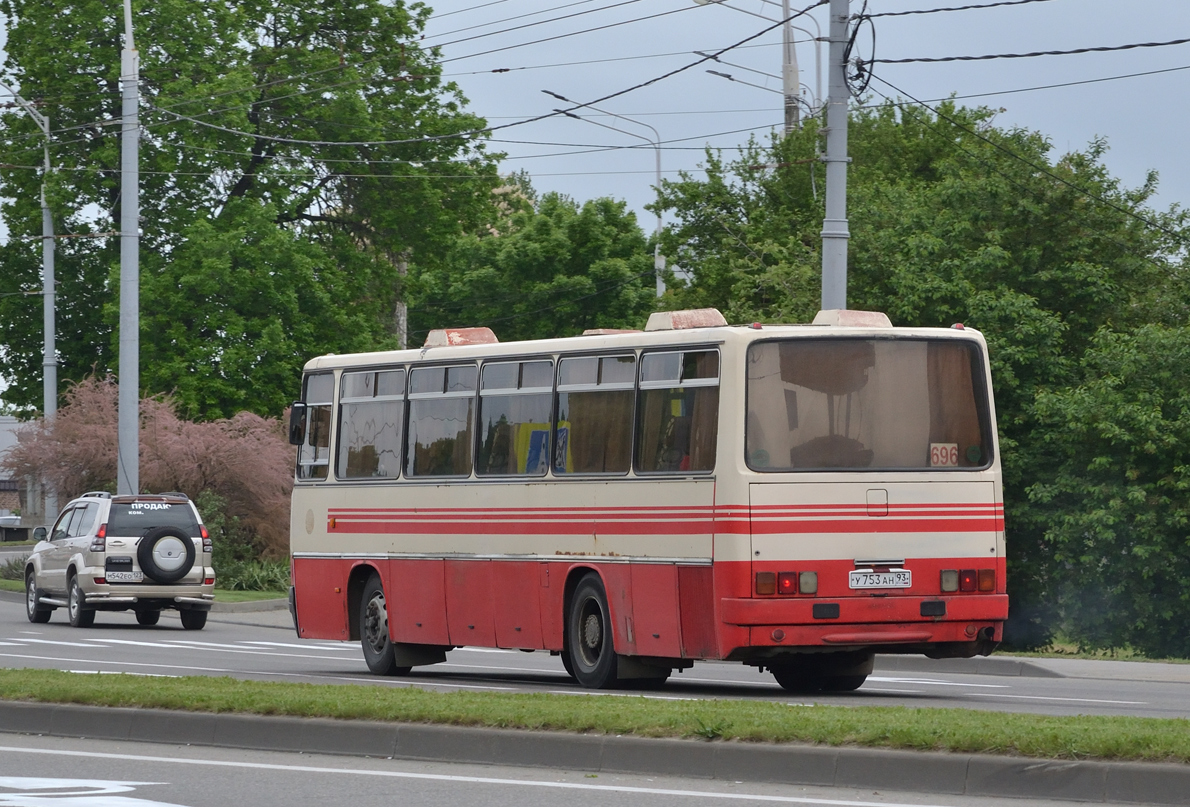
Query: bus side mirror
{"points": [[39, 533], [297, 424]]}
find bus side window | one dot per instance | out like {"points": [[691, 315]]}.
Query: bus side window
{"points": [[371, 412], [441, 421], [314, 453], [678, 414], [514, 418], [594, 415]]}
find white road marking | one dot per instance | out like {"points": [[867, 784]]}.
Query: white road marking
{"points": [[73, 792], [311, 646], [935, 682], [1070, 700], [481, 780], [64, 644]]}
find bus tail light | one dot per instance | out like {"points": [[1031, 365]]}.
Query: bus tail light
{"points": [[950, 580], [766, 582], [807, 582], [967, 580], [987, 579], [787, 583]]}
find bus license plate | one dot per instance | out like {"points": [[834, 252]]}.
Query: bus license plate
{"points": [[125, 577], [895, 578]]}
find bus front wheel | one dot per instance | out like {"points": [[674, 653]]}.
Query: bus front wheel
{"points": [[589, 636], [379, 652]]}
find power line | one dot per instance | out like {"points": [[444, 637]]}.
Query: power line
{"points": [[954, 8], [1103, 49], [1031, 191], [564, 36], [596, 61], [526, 25], [490, 129], [472, 8], [1041, 168]]}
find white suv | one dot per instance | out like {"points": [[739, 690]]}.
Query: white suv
{"points": [[115, 553]]}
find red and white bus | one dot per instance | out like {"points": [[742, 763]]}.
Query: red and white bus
{"points": [[796, 498]]}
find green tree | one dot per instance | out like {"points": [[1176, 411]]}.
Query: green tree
{"points": [[952, 220], [545, 268], [294, 157], [1118, 508]]}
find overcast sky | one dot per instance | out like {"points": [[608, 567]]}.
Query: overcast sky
{"points": [[1143, 118]]}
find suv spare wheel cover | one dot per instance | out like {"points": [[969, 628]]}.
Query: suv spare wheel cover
{"points": [[166, 554]]}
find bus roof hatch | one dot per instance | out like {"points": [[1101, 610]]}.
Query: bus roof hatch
{"points": [[455, 337], [681, 320], [846, 317]]}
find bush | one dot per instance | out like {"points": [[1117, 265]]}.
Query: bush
{"points": [[13, 568], [253, 575], [245, 460]]}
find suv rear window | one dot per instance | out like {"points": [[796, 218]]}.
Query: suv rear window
{"points": [[134, 519]]}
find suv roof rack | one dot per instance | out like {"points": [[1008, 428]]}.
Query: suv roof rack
{"points": [[98, 494]]}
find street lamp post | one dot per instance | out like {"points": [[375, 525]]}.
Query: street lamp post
{"points": [[790, 74], [128, 426], [658, 258], [49, 358]]}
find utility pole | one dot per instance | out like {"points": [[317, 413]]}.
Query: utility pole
{"points": [[49, 356], [128, 457], [791, 84], [835, 232]]}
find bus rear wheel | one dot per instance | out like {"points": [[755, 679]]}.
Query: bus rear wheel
{"points": [[589, 636], [379, 652]]}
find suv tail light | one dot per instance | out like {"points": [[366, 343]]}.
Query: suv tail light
{"points": [[207, 545], [99, 542]]}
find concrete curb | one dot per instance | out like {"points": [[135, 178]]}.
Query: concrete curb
{"points": [[250, 607], [926, 772]]}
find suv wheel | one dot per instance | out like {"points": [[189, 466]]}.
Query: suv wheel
{"points": [[80, 615], [193, 619], [36, 612]]}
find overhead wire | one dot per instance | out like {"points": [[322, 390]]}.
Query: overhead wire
{"points": [[1034, 54], [556, 37], [471, 8], [427, 37], [1039, 168], [956, 8], [489, 129]]}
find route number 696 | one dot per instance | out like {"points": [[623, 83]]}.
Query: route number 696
{"points": [[944, 455]]}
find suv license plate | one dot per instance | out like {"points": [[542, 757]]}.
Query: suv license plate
{"points": [[125, 577], [895, 578]]}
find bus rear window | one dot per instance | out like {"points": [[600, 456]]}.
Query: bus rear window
{"points": [[866, 404], [132, 520]]}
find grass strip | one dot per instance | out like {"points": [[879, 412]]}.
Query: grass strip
{"points": [[958, 730], [223, 595]]}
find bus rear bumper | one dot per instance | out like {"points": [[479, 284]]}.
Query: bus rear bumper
{"points": [[921, 613]]}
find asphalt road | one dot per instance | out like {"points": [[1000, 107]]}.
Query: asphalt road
{"points": [[38, 771], [263, 646]]}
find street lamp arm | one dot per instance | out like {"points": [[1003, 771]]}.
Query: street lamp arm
{"points": [[41, 120]]}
